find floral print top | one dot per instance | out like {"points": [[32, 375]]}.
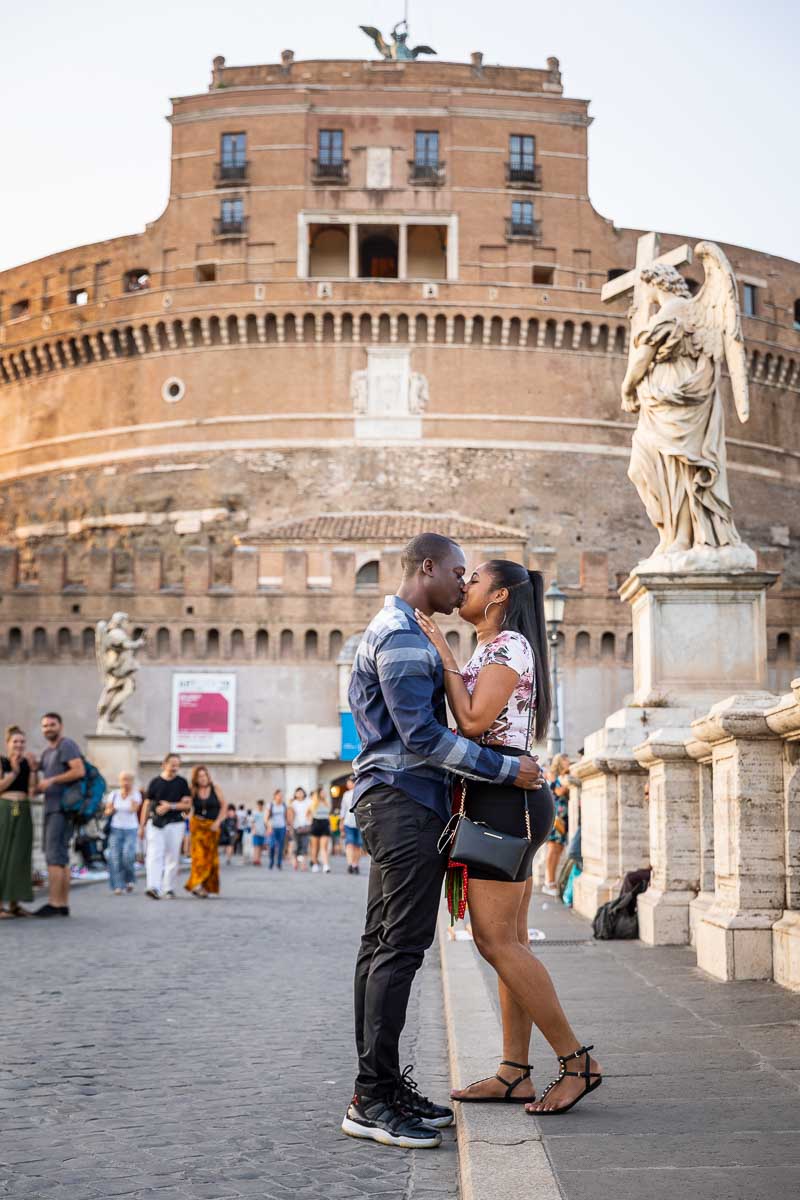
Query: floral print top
{"points": [[509, 649]]}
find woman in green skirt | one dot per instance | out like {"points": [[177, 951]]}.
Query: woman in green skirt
{"points": [[17, 780]]}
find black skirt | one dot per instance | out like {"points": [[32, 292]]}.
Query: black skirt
{"points": [[503, 809]]}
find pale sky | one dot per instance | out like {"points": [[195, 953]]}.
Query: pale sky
{"points": [[695, 102]]}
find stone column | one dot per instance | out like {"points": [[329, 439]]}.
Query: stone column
{"points": [[701, 753], [734, 938], [112, 753], [674, 842], [599, 836], [784, 720], [352, 251], [402, 251]]}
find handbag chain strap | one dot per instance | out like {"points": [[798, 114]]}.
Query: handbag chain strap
{"points": [[461, 812]]}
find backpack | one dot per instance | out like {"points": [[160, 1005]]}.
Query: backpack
{"points": [[82, 799], [618, 918]]}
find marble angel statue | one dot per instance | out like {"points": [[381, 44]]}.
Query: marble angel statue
{"points": [[116, 660], [673, 382]]}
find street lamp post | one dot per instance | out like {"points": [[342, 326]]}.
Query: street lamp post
{"points": [[554, 603]]}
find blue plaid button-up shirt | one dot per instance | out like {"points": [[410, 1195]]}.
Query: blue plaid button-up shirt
{"points": [[397, 699]]}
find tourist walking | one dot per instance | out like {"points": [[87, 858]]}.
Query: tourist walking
{"points": [[228, 833], [557, 838], [166, 802], [60, 765], [277, 830], [301, 825], [402, 806], [259, 824], [17, 782], [320, 838], [241, 829], [502, 698], [204, 826], [352, 834], [122, 807]]}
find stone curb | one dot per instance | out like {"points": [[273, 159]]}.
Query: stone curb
{"points": [[500, 1149]]}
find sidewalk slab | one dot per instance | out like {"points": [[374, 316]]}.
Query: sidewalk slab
{"points": [[701, 1093]]}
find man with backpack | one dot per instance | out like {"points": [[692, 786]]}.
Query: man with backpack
{"points": [[61, 764]]}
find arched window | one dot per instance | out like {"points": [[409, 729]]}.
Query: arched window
{"points": [[15, 644], [309, 328], [440, 328], [459, 327], [496, 331], [233, 329], [163, 647], [783, 647], [87, 642], [402, 327], [477, 330], [367, 576], [607, 645], [39, 642], [421, 328], [212, 643], [237, 643], [64, 642], [262, 643], [365, 328], [347, 327], [311, 643], [384, 328], [287, 643], [187, 643], [335, 644], [629, 648], [582, 645]]}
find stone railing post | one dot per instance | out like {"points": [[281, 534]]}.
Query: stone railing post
{"points": [[613, 827], [674, 842], [784, 720], [734, 937], [704, 785]]}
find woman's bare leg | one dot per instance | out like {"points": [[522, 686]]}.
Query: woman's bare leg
{"points": [[494, 909], [551, 863], [517, 1022], [324, 851]]}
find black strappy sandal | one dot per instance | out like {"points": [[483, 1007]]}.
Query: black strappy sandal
{"points": [[526, 1069], [585, 1074]]}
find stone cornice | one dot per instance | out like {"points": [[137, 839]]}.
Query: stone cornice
{"points": [[739, 716]]}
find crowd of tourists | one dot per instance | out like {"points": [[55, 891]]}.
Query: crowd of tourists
{"points": [[170, 818]]}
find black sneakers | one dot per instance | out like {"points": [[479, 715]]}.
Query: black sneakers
{"points": [[412, 1099], [388, 1122], [51, 910]]}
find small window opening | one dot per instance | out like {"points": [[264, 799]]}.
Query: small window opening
{"points": [[137, 279], [205, 272], [79, 296], [544, 275]]}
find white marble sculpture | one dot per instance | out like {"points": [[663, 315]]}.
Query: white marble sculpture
{"points": [[116, 659], [679, 343]]}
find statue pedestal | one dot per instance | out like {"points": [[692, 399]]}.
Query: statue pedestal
{"points": [[699, 637], [112, 753]]}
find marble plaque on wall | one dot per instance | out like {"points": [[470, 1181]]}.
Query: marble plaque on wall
{"points": [[388, 397], [379, 167]]}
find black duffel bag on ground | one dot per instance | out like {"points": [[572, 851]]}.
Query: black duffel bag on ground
{"points": [[618, 918]]}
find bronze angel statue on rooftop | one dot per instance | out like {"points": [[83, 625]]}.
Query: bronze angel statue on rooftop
{"points": [[673, 382], [398, 51]]}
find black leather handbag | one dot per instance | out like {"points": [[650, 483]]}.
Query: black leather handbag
{"points": [[476, 844]]}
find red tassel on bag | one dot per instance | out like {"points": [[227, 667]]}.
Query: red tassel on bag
{"points": [[457, 882]]}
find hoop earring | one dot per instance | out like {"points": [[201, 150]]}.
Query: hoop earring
{"points": [[488, 606]]}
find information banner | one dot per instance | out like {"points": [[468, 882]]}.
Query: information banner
{"points": [[203, 713]]}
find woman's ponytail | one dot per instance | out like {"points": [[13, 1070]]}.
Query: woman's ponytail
{"points": [[525, 615]]}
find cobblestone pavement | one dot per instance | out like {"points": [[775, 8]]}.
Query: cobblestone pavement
{"points": [[194, 1050]]}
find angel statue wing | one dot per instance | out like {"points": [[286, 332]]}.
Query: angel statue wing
{"points": [[415, 53], [377, 38], [716, 321]]}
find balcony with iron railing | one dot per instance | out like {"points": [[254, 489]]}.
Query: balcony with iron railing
{"points": [[524, 174], [529, 231], [230, 174], [425, 173], [330, 170], [230, 227]]}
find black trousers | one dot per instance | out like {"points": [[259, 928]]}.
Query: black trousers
{"points": [[405, 885]]}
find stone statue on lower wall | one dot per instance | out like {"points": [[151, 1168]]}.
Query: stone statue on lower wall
{"points": [[673, 382], [116, 660]]}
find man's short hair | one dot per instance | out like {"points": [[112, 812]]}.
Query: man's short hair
{"points": [[53, 717], [425, 545], [167, 757]]}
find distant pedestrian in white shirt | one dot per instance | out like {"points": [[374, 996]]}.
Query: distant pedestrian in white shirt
{"points": [[123, 806]]}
